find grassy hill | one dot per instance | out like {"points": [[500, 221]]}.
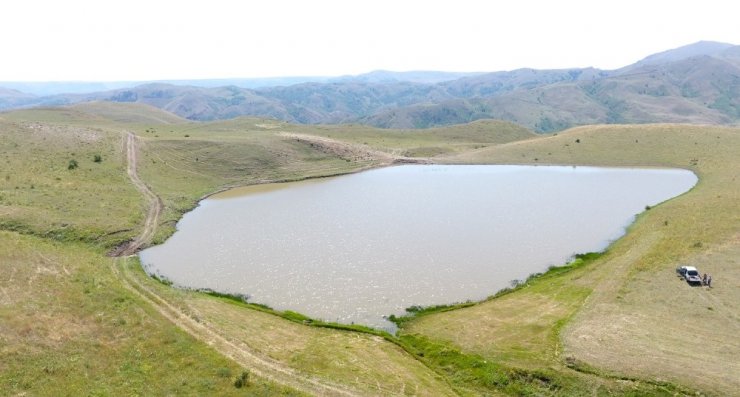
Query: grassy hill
{"points": [[696, 84], [625, 314], [130, 113], [700, 48], [74, 320], [697, 90], [58, 223], [10, 98]]}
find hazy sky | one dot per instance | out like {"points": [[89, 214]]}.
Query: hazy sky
{"points": [[160, 39]]}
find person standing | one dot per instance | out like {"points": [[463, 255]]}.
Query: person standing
{"points": [[709, 281]]}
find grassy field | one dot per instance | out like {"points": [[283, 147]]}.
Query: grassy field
{"points": [[68, 327], [368, 364], [618, 324], [627, 315], [42, 191], [85, 211]]}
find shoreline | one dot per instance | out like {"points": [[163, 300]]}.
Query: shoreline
{"points": [[452, 304]]}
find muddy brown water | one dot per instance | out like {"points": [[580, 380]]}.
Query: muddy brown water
{"points": [[359, 247]]}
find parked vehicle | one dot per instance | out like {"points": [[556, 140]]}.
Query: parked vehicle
{"points": [[690, 274]]}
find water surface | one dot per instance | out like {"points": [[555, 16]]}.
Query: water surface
{"points": [[358, 247]]}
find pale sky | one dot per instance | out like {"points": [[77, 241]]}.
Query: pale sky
{"points": [[59, 40]]}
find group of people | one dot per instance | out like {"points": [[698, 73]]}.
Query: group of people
{"points": [[707, 280]]}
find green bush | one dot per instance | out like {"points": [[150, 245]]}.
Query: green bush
{"points": [[242, 380]]}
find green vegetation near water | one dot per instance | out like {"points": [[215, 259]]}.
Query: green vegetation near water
{"points": [[69, 322]]}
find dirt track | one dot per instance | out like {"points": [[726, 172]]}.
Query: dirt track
{"points": [[237, 351], [354, 152], [153, 201], [259, 365]]}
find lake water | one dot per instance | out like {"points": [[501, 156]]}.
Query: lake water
{"points": [[359, 247]]}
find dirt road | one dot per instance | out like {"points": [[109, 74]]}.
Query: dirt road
{"points": [[153, 201], [259, 365], [352, 152], [237, 351]]}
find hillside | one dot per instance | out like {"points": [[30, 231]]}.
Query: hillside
{"points": [[701, 48], [638, 318], [51, 88], [128, 113], [73, 319], [10, 98], [697, 84], [702, 89]]}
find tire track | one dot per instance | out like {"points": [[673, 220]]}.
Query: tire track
{"points": [[239, 352], [154, 202], [262, 366]]}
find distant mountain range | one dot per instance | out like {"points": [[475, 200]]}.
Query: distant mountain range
{"points": [[698, 83]]}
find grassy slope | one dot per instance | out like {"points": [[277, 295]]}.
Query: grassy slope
{"points": [[184, 162], [68, 327], [639, 321], [66, 323], [366, 363], [39, 194], [428, 142], [183, 168], [131, 113], [187, 161]]}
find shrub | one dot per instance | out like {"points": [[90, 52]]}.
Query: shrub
{"points": [[242, 380], [72, 164], [97, 158], [223, 372]]}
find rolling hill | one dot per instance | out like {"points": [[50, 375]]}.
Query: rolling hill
{"points": [[607, 324], [698, 84]]}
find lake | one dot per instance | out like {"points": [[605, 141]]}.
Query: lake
{"points": [[359, 247]]}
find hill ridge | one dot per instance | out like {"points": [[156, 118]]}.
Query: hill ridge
{"points": [[697, 83]]}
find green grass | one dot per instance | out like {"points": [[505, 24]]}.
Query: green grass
{"points": [[68, 327], [181, 169], [518, 355], [606, 325], [429, 142], [625, 314], [40, 195], [365, 359], [289, 315], [245, 151], [579, 260]]}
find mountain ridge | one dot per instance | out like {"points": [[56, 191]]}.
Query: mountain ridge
{"points": [[697, 83]]}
